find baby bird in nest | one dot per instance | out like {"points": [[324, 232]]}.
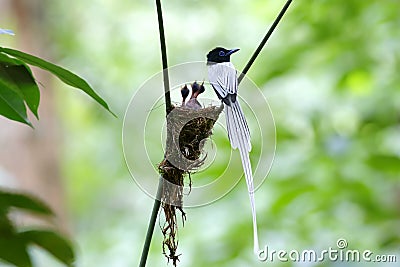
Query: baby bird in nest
{"points": [[185, 93], [193, 103]]}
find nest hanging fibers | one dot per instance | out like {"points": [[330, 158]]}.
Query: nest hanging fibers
{"points": [[187, 129]]}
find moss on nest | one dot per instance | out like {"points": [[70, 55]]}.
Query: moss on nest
{"points": [[187, 129]]}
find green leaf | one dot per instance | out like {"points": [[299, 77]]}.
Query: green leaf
{"points": [[18, 75], [52, 242], [9, 60], [8, 200], [6, 228], [13, 249], [11, 103], [63, 74], [24, 80]]}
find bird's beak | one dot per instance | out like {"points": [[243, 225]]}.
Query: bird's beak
{"points": [[232, 51]]}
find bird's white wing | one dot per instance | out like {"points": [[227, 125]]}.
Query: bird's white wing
{"points": [[223, 78]]}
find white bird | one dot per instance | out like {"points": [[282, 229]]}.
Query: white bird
{"points": [[223, 78]]}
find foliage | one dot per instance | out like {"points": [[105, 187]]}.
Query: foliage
{"points": [[18, 86], [15, 242]]}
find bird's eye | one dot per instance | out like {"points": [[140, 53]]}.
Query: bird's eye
{"points": [[221, 53]]}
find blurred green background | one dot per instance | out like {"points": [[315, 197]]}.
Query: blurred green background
{"points": [[331, 76]]}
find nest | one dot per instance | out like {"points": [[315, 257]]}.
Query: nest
{"points": [[187, 130]]}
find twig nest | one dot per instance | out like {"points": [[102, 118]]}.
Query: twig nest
{"points": [[187, 129]]}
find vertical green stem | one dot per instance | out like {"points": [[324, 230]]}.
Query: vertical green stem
{"points": [[168, 107], [167, 95], [152, 223]]}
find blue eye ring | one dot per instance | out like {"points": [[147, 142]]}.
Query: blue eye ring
{"points": [[221, 53]]}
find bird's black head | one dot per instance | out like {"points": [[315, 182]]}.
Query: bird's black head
{"points": [[220, 54], [195, 87], [185, 91]]}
